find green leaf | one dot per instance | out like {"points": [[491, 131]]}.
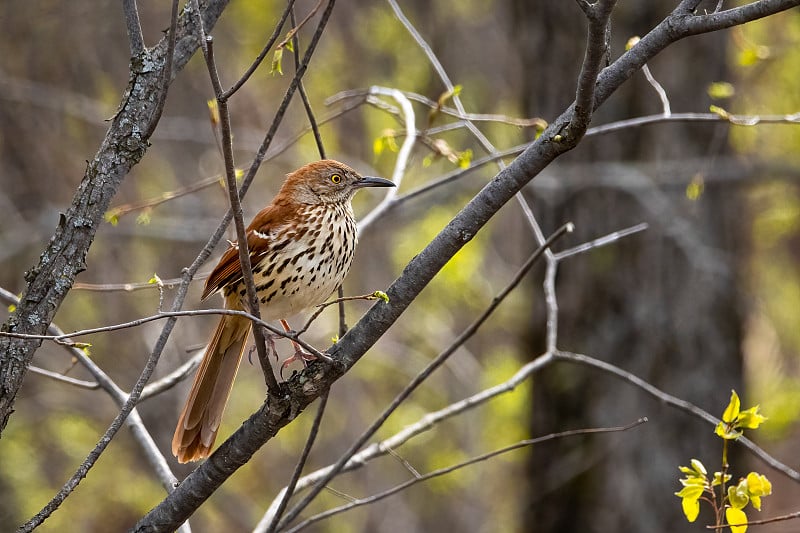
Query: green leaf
{"points": [[213, 111], [155, 280], [736, 516], [12, 308], [144, 218], [732, 411], [112, 217], [719, 111], [720, 89], [335, 339], [381, 296], [277, 58]]}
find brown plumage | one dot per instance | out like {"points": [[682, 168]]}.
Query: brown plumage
{"points": [[301, 247]]}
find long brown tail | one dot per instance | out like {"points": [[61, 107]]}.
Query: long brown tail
{"points": [[202, 414]]}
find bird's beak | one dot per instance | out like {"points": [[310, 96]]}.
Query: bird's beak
{"points": [[372, 181]]}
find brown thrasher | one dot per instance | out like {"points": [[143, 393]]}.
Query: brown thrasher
{"points": [[301, 247]]}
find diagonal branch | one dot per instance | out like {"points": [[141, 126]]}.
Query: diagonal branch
{"points": [[310, 384]]}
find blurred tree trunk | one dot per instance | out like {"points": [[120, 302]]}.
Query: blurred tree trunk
{"points": [[661, 304]]}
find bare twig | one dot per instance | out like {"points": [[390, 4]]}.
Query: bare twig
{"points": [[421, 377], [236, 208], [447, 470], [167, 73], [782, 518], [260, 58], [601, 241], [425, 423], [672, 401], [289, 491], [402, 155], [57, 376], [134, 27]]}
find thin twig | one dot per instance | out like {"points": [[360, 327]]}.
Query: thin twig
{"points": [[402, 156], [236, 208], [601, 241], [57, 376], [260, 58], [134, 27], [167, 74], [170, 316], [670, 400], [298, 469], [782, 518], [423, 424], [447, 470], [422, 376]]}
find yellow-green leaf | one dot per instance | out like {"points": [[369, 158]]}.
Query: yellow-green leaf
{"points": [[630, 44], [12, 308], [726, 431], [381, 296], [695, 187], [751, 418], [718, 479], [144, 218], [732, 411], [720, 89], [277, 58], [691, 491], [736, 516], [213, 111], [737, 496], [719, 111], [691, 508], [112, 217], [758, 485], [698, 467]]}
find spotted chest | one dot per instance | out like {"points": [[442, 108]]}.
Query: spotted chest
{"points": [[301, 263]]}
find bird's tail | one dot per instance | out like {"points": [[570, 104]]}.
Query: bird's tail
{"points": [[202, 414]]}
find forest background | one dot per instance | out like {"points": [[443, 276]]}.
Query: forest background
{"points": [[700, 295]]}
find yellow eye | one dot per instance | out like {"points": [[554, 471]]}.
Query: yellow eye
{"points": [[336, 178]]}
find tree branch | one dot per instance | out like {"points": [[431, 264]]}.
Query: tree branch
{"points": [[124, 145]]}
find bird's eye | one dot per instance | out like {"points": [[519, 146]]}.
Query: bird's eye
{"points": [[336, 178]]}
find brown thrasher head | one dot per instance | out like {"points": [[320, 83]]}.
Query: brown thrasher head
{"points": [[301, 246]]}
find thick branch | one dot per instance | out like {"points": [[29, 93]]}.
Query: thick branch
{"points": [[124, 145], [305, 387]]}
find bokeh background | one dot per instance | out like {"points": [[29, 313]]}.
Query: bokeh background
{"points": [[706, 300]]}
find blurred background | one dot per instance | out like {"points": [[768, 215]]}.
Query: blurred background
{"points": [[705, 301]]}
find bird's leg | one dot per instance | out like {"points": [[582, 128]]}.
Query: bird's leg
{"points": [[271, 348], [299, 353]]}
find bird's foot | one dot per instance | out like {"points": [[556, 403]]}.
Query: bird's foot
{"points": [[299, 355]]}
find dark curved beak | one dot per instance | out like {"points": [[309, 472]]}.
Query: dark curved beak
{"points": [[372, 181]]}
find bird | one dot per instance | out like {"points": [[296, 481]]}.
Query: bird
{"points": [[301, 247]]}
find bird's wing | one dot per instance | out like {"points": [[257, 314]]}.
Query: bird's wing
{"points": [[261, 235]]}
